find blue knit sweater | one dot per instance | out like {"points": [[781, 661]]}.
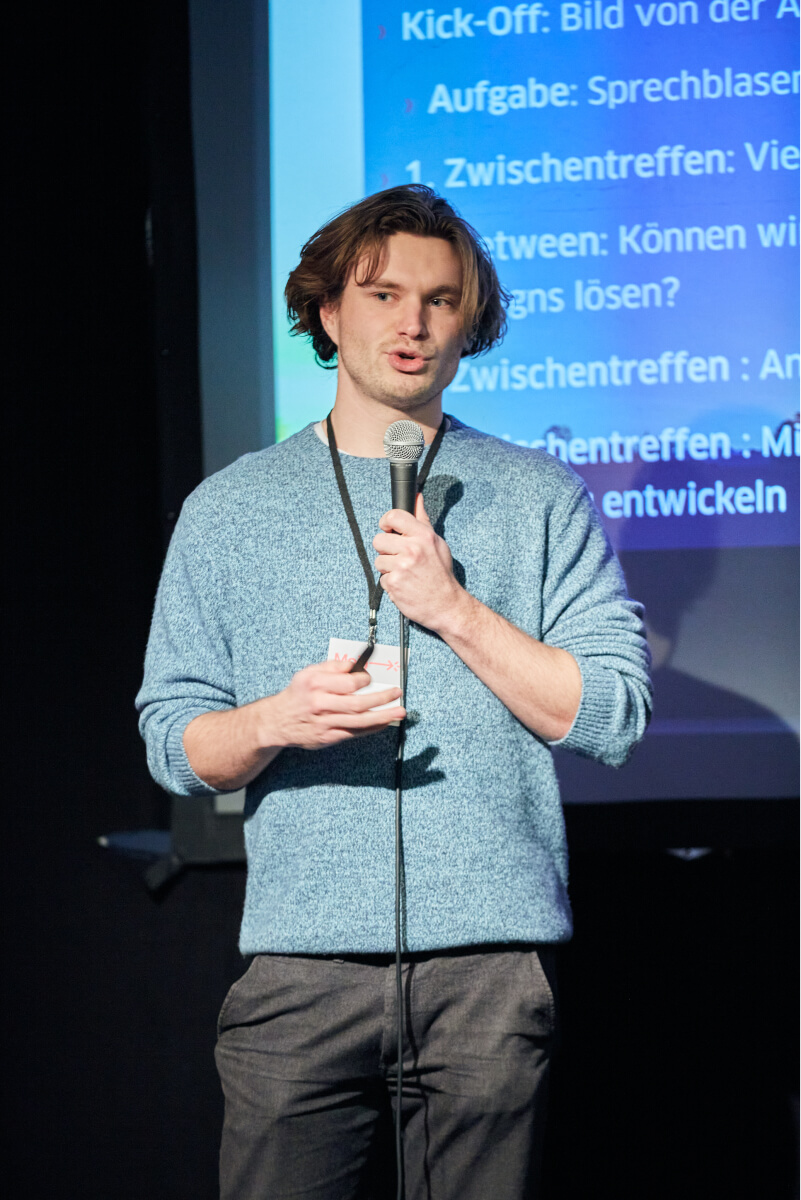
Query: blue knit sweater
{"points": [[262, 571]]}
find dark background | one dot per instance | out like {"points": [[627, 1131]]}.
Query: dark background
{"points": [[678, 1066]]}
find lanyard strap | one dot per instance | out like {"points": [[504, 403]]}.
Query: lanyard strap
{"points": [[375, 591]]}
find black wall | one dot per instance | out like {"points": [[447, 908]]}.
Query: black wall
{"points": [[679, 1052], [111, 997]]}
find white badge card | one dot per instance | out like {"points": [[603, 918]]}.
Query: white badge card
{"points": [[383, 666]]}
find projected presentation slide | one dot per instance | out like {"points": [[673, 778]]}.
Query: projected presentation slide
{"points": [[633, 169]]}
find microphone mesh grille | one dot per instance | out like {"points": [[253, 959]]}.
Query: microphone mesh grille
{"points": [[404, 441]]}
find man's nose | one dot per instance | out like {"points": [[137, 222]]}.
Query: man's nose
{"points": [[412, 318]]}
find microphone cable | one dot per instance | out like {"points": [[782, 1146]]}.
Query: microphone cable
{"points": [[375, 596], [417, 483], [398, 921]]}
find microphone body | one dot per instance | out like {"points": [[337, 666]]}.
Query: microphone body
{"points": [[403, 480], [403, 445]]}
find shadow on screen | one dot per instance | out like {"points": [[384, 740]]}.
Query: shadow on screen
{"points": [[705, 740]]}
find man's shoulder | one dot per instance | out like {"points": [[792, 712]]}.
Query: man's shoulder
{"points": [[254, 478], [530, 468]]}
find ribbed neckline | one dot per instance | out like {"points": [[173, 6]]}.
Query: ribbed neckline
{"points": [[452, 424]]}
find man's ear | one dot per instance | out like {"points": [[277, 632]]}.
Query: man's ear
{"points": [[329, 317]]}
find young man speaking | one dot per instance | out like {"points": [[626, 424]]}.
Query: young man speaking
{"points": [[521, 636]]}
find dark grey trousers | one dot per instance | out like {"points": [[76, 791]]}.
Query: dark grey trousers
{"points": [[307, 1058]]}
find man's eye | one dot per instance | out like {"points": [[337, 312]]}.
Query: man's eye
{"points": [[440, 301], [382, 295]]}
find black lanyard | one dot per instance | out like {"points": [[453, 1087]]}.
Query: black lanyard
{"points": [[374, 588]]}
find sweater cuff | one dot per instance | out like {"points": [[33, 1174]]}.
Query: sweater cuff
{"points": [[188, 783], [595, 717]]}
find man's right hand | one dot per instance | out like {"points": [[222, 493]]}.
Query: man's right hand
{"points": [[320, 706]]}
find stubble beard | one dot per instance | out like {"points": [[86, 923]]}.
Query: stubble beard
{"points": [[410, 392]]}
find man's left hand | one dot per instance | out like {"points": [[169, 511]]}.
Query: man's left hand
{"points": [[416, 567], [540, 684]]}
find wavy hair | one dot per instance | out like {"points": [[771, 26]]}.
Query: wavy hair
{"points": [[357, 236]]}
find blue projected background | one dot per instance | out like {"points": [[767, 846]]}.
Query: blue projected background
{"points": [[634, 169]]}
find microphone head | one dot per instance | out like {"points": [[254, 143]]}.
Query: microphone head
{"points": [[404, 442]]}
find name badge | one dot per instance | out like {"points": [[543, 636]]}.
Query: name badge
{"points": [[383, 666]]}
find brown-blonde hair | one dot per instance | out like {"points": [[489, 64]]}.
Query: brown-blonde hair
{"points": [[359, 233]]}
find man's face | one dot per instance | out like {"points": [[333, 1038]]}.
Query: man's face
{"points": [[399, 338]]}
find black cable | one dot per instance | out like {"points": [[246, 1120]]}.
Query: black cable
{"points": [[375, 596], [398, 924], [421, 479]]}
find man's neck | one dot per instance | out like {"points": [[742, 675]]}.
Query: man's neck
{"points": [[360, 424]]}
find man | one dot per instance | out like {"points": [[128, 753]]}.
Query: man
{"points": [[521, 636]]}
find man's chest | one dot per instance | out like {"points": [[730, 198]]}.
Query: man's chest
{"points": [[295, 578]]}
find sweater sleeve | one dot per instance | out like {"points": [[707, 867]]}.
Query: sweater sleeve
{"points": [[586, 611], [188, 666]]}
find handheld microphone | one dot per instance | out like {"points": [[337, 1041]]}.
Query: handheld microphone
{"points": [[403, 445]]}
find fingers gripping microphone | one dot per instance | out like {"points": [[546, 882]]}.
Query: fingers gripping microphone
{"points": [[403, 445]]}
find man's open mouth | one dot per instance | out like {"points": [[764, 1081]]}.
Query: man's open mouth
{"points": [[406, 360]]}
